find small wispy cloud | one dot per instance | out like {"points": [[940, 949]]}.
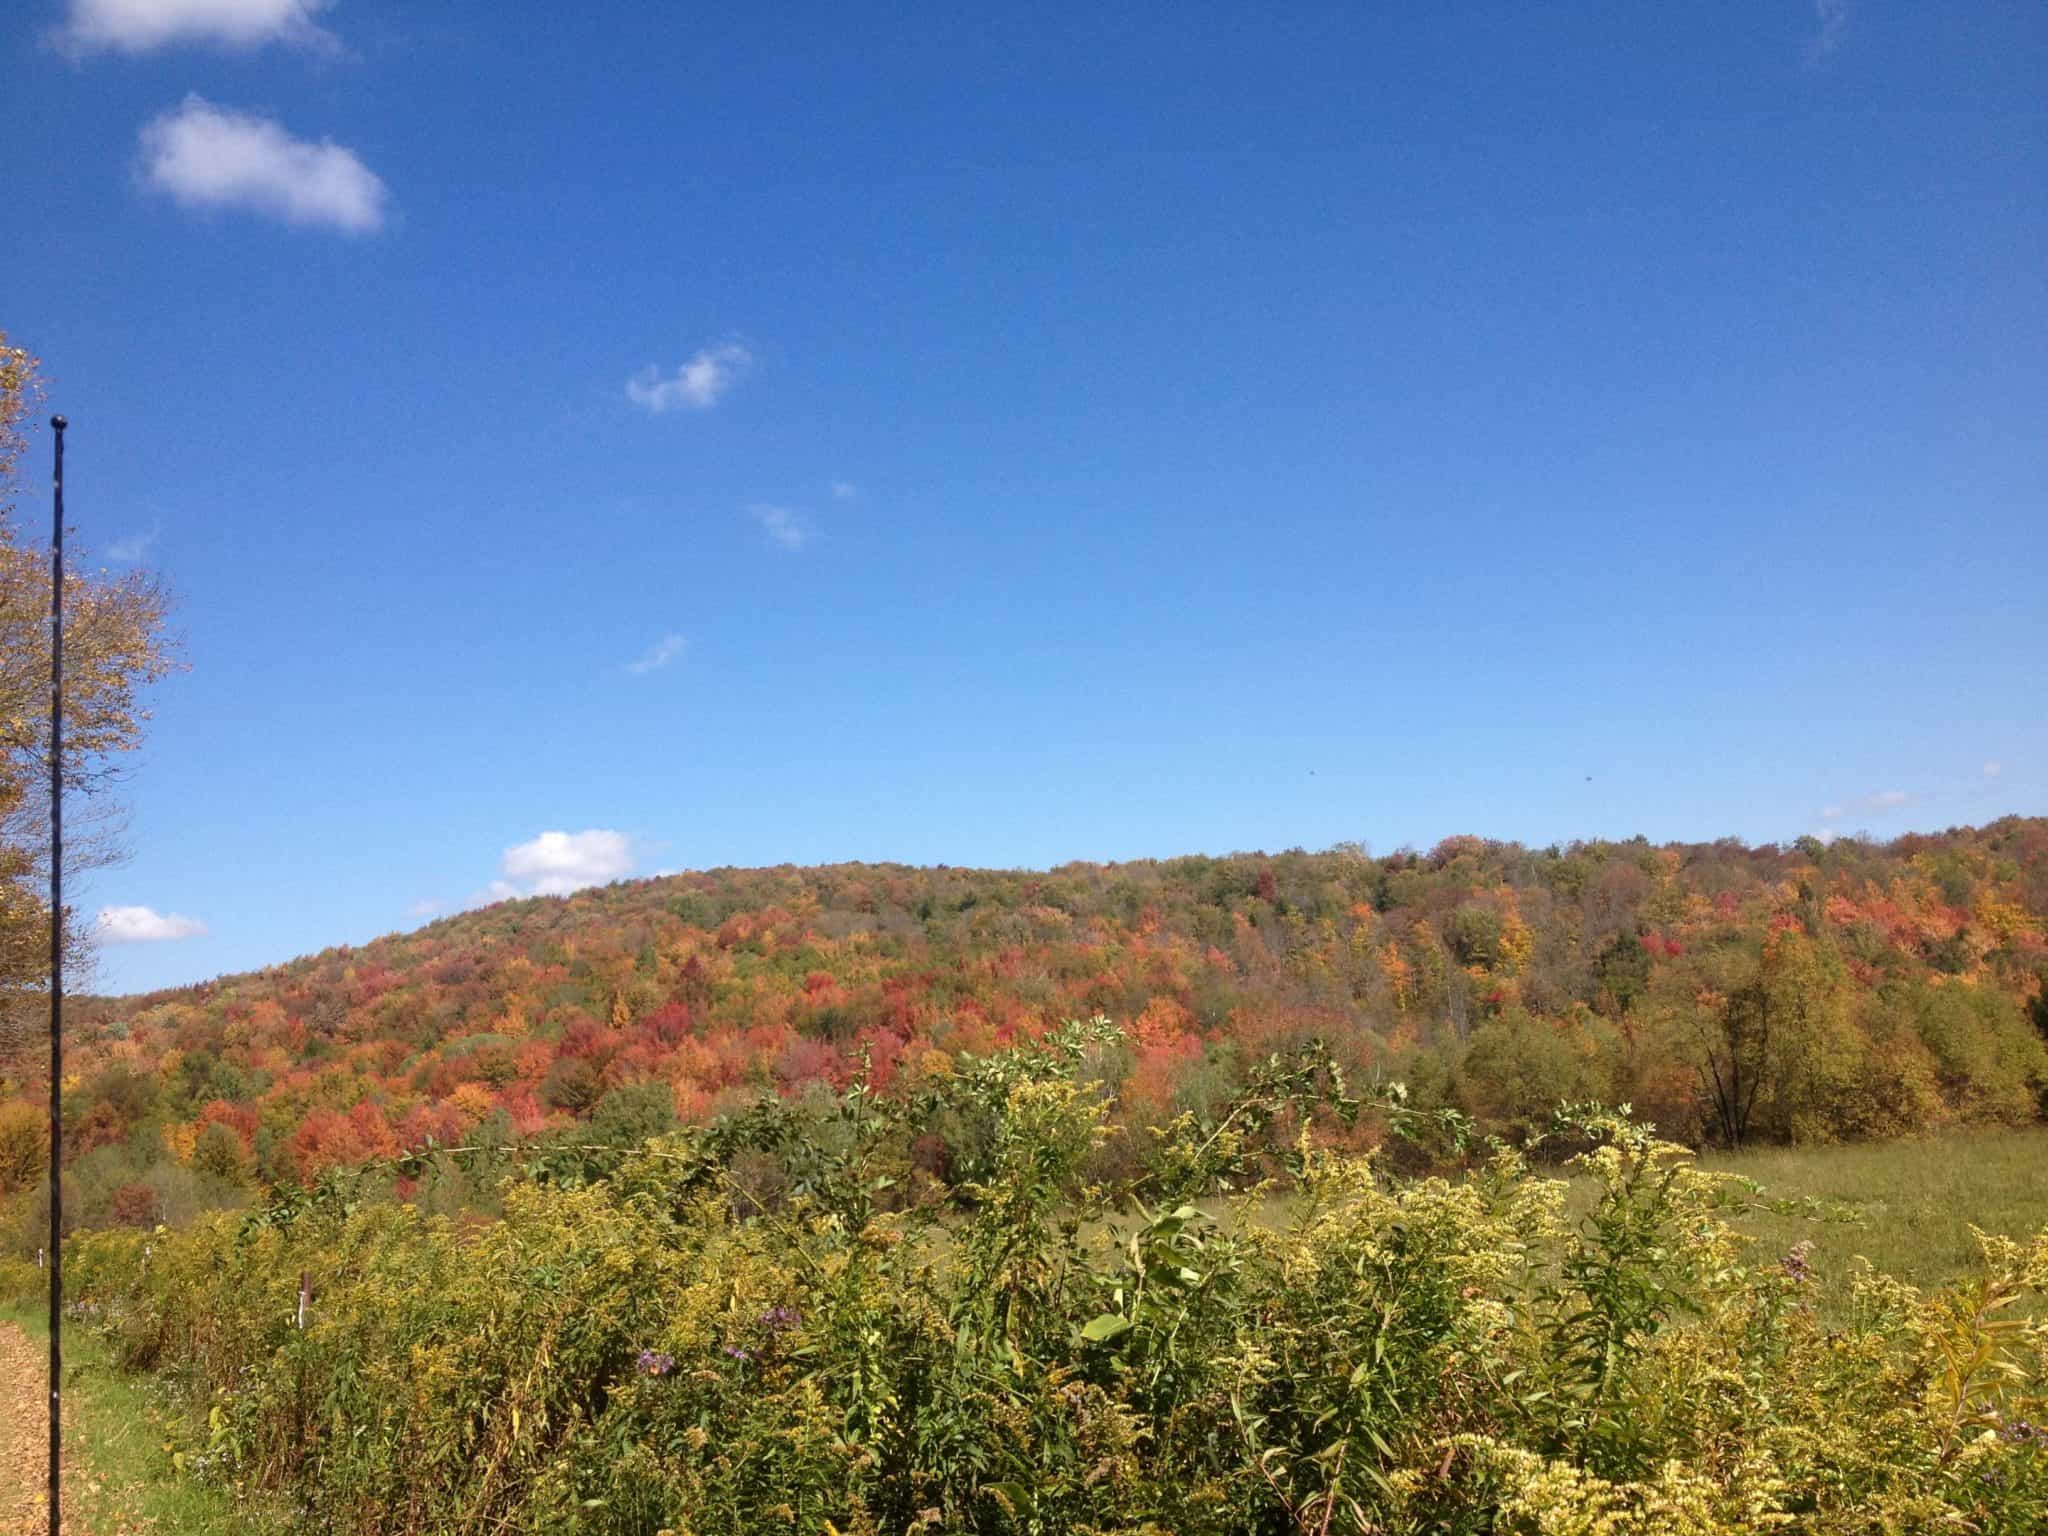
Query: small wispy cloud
{"points": [[138, 26], [131, 548], [844, 490], [787, 528], [146, 925], [658, 655], [697, 385], [206, 156], [424, 908], [1993, 768], [1832, 19], [1829, 818]]}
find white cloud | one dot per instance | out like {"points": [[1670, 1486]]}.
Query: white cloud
{"points": [[1993, 769], [556, 863], [1883, 800], [136, 26], [697, 386], [425, 907], [786, 527], [657, 656], [130, 548], [1882, 803], [1832, 17], [844, 490], [145, 925], [214, 157]]}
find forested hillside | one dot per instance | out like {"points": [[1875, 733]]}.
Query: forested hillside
{"points": [[1730, 994]]}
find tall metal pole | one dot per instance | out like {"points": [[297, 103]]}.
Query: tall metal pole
{"points": [[57, 425]]}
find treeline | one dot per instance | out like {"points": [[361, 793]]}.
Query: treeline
{"points": [[1730, 994]]}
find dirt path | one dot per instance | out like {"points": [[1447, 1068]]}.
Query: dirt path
{"points": [[115, 1484], [90, 1507], [24, 1432]]}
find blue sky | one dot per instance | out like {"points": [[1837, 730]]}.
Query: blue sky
{"points": [[1086, 432]]}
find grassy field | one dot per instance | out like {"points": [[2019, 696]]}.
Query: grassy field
{"points": [[1906, 1206], [119, 1478], [1915, 1201]]}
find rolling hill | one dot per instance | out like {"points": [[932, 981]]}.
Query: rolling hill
{"points": [[1803, 993]]}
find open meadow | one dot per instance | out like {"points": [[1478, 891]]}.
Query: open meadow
{"points": [[1914, 1202]]}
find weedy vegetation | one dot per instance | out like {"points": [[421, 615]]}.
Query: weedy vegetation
{"points": [[799, 1319]]}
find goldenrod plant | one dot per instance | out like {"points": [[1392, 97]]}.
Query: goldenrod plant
{"points": [[786, 1322]]}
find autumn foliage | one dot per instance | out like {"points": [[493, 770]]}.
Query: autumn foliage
{"points": [[1729, 993]]}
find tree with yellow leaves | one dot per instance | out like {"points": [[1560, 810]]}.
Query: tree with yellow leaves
{"points": [[114, 646]]}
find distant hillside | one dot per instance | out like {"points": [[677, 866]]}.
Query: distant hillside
{"points": [[1804, 993]]}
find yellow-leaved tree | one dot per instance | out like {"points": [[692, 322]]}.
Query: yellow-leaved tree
{"points": [[115, 645]]}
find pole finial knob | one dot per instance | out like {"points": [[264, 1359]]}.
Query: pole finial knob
{"points": [[59, 423]]}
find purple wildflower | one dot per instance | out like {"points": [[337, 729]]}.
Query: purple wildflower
{"points": [[1795, 1264], [780, 1319], [656, 1362], [737, 1353]]}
